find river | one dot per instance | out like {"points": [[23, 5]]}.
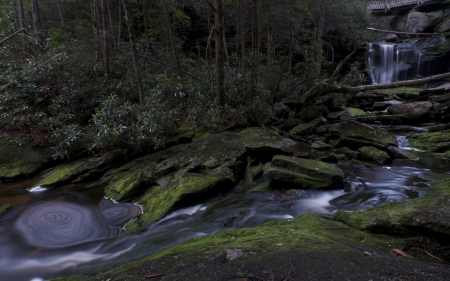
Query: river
{"points": [[73, 229]]}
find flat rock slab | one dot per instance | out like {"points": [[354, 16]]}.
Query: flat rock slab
{"points": [[358, 130], [412, 109], [304, 173]]}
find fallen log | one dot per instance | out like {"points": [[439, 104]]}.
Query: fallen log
{"points": [[321, 89], [399, 32]]}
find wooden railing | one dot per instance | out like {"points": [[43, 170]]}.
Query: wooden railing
{"points": [[389, 4]]}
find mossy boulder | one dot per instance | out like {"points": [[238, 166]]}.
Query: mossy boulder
{"points": [[264, 144], [412, 109], [304, 129], [431, 141], [369, 152], [79, 170], [353, 129], [180, 189], [303, 173], [308, 247], [428, 215], [21, 161]]}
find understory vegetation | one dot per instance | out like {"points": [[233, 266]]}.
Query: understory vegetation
{"points": [[108, 68]]}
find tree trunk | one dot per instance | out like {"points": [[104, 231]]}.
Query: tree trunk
{"points": [[255, 50], [36, 17], [320, 30], [134, 53], [218, 28], [269, 44], [61, 16], [242, 27], [104, 36], [22, 26], [111, 27], [172, 40], [95, 29], [119, 28]]}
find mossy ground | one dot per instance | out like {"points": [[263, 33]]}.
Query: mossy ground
{"points": [[304, 248]]}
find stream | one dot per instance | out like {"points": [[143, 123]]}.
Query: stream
{"points": [[73, 229]]}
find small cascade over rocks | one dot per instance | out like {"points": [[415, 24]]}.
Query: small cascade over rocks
{"points": [[393, 62]]}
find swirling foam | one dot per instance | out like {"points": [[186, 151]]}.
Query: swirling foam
{"points": [[55, 225]]}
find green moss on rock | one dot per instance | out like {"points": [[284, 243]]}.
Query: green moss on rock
{"points": [[183, 188], [3, 208], [358, 130], [314, 246], [427, 215], [21, 161]]}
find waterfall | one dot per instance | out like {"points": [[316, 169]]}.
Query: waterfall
{"points": [[390, 62]]}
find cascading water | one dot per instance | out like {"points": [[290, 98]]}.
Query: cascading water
{"points": [[389, 62]]}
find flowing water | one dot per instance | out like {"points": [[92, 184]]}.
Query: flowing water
{"points": [[389, 62], [75, 230]]}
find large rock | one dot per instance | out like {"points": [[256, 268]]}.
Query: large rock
{"points": [[356, 130], [303, 173], [305, 129], [428, 215], [438, 142], [21, 161], [412, 22], [444, 27], [412, 109], [369, 152], [80, 170]]}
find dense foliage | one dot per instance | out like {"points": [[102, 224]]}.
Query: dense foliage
{"points": [[76, 73]]}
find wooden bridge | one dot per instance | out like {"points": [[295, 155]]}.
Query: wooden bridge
{"points": [[394, 6]]}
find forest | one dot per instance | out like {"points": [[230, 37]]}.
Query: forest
{"points": [[137, 71], [239, 140]]}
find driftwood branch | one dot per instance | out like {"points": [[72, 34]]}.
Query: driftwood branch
{"points": [[398, 32], [162, 63], [12, 35]]}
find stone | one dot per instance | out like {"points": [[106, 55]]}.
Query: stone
{"points": [[429, 141], [305, 129], [412, 22], [444, 27], [290, 124], [439, 98], [335, 114], [329, 159], [412, 109], [401, 154], [350, 154], [231, 219], [303, 173], [356, 130], [79, 170], [369, 152], [318, 145], [183, 188], [21, 161], [427, 215], [391, 37], [355, 112], [313, 112], [3, 208]]}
